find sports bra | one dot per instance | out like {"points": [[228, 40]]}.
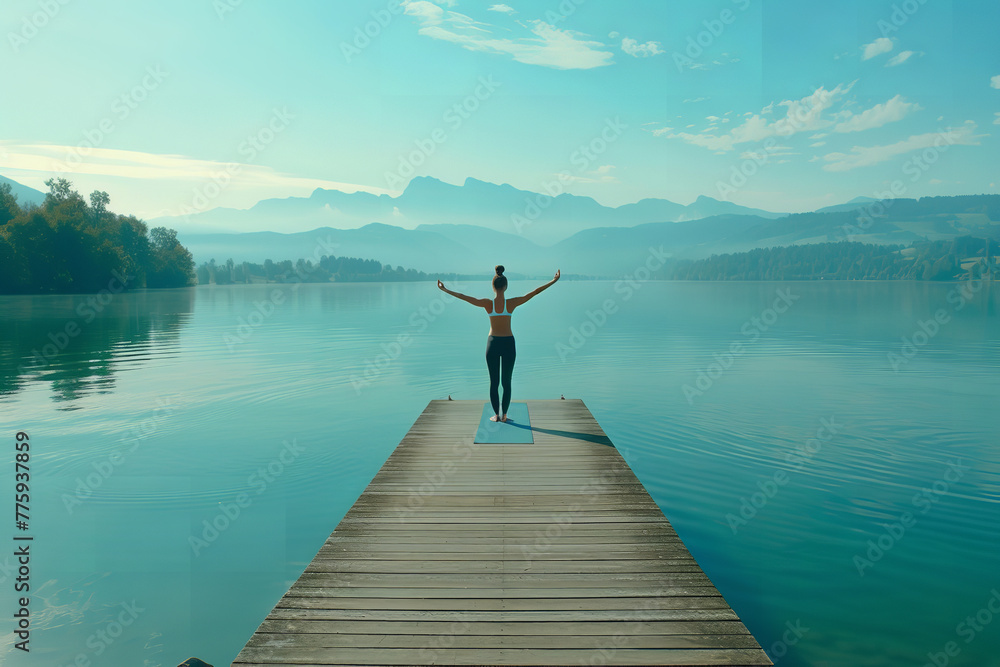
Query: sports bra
{"points": [[506, 307]]}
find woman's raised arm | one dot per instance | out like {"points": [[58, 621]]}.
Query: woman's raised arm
{"points": [[481, 303], [517, 301]]}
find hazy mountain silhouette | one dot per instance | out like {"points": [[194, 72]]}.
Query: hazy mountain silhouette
{"points": [[25, 195], [608, 251], [536, 216]]}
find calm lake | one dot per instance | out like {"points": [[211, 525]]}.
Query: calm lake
{"points": [[839, 484]]}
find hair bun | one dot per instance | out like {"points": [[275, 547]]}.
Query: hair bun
{"points": [[500, 269]]}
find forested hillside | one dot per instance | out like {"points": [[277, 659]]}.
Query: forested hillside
{"points": [[67, 245], [938, 260]]}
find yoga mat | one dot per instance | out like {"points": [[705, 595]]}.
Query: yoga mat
{"points": [[516, 430]]}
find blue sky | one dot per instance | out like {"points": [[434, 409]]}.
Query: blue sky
{"points": [[180, 106]]}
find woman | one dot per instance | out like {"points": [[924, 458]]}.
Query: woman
{"points": [[500, 343]]}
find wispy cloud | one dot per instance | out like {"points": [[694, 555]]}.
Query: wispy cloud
{"points": [[900, 58], [637, 50], [878, 47], [803, 115], [995, 82], [996, 121], [881, 114], [546, 45], [504, 9], [600, 175], [54, 159], [867, 156]]}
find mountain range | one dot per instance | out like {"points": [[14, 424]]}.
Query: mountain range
{"points": [[612, 251], [437, 227], [25, 195], [537, 217]]}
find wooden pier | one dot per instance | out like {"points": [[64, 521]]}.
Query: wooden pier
{"points": [[458, 553]]}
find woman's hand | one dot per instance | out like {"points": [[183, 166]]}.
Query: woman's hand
{"points": [[441, 286], [557, 276]]}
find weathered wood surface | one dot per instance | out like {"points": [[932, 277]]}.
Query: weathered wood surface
{"points": [[459, 553]]}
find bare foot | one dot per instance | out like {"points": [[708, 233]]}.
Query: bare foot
{"points": [[504, 418], [495, 418]]}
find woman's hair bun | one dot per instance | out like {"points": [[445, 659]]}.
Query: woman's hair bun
{"points": [[500, 269]]}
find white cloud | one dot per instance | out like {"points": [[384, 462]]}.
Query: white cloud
{"points": [[881, 114], [637, 50], [167, 181], [504, 9], [867, 156], [694, 100], [53, 158], [614, 34], [546, 46], [995, 82], [817, 144], [878, 47], [804, 115], [900, 58], [600, 175], [997, 120]]}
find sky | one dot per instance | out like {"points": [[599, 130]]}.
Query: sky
{"points": [[179, 107]]}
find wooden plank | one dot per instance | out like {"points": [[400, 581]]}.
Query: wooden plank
{"points": [[435, 654], [550, 553]]}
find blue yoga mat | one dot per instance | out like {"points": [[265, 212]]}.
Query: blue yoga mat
{"points": [[516, 430]]}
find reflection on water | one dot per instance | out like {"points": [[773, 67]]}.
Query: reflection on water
{"points": [[77, 343], [193, 392]]}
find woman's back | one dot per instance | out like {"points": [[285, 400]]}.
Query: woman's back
{"points": [[500, 318]]}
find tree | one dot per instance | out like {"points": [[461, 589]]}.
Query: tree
{"points": [[60, 190], [99, 203], [9, 208], [171, 264]]}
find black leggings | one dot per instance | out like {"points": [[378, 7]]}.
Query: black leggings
{"points": [[497, 348]]}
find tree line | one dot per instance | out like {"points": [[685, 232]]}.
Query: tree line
{"points": [[326, 269], [950, 259], [68, 245]]}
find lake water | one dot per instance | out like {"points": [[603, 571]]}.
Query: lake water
{"points": [[841, 488]]}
